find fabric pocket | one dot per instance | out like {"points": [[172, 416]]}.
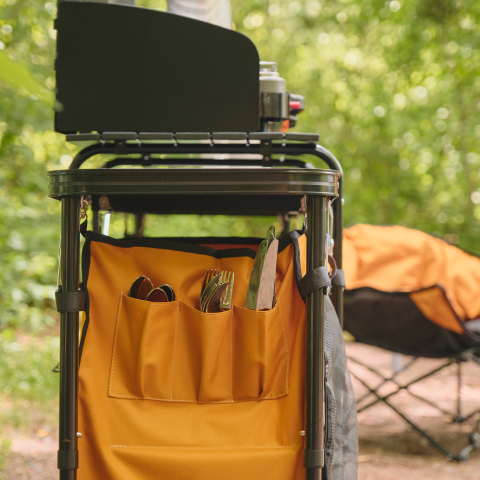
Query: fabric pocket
{"points": [[260, 354], [142, 360], [172, 352]]}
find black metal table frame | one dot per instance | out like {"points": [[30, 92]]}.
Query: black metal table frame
{"points": [[316, 214]]}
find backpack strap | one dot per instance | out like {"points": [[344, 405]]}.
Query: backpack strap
{"points": [[313, 280]]}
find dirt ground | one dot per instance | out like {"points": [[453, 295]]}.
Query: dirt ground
{"points": [[389, 448]]}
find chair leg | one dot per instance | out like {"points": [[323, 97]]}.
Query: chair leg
{"points": [[458, 418], [399, 386], [437, 445], [385, 380], [474, 437]]}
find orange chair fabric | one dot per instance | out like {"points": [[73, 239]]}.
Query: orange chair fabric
{"points": [[443, 281], [169, 393]]}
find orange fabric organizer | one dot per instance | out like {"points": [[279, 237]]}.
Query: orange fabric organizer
{"points": [[169, 393]]}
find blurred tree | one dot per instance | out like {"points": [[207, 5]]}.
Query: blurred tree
{"points": [[18, 77], [28, 148], [393, 88]]}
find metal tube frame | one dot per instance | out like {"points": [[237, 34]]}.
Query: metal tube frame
{"points": [[315, 434], [294, 149], [316, 215], [147, 161], [69, 325]]}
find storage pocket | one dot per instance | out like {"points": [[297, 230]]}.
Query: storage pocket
{"points": [[202, 363], [142, 360], [172, 352], [260, 354]]}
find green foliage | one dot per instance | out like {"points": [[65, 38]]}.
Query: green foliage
{"points": [[29, 222], [26, 366], [393, 89], [20, 78], [28, 387], [194, 226], [4, 451]]}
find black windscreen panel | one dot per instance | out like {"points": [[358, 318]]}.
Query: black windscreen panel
{"points": [[128, 69]]}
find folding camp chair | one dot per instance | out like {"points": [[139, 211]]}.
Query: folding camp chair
{"points": [[411, 293], [165, 390]]}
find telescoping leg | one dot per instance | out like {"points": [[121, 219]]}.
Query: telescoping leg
{"points": [[338, 286], [314, 451], [68, 417]]}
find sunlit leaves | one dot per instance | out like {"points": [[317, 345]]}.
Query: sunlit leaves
{"points": [[29, 222], [393, 88], [18, 77]]}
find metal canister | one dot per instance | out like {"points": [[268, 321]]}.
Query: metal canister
{"points": [[274, 109]]}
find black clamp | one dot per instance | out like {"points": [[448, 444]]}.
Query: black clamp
{"points": [[121, 147], [266, 149], [314, 459], [313, 281], [339, 279], [70, 302], [67, 459]]}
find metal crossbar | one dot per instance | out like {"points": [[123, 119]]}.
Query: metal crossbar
{"points": [[402, 387], [474, 437]]}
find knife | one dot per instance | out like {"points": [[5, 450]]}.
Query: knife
{"points": [[266, 289], [255, 276]]}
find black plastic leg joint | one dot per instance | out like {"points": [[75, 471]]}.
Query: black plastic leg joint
{"points": [[67, 459], [70, 301], [314, 458]]}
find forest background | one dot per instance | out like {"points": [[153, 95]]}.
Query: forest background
{"points": [[392, 87]]}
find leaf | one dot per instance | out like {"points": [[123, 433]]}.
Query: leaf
{"points": [[20, 78]]}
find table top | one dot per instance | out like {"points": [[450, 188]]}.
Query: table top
{"points": [[193, 181], [207, 191]]}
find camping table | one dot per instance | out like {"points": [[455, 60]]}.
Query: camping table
{"points": [[255, 190]]}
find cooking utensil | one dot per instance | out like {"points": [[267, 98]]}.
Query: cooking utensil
{"points": [[140, 288], [252, 290], [266, 288], [271, 235], [209, 289], [213, 304], [157, 295], [169, 292], [216, 294], [209, 274], [226, 299], [255, 276], [210, 295]]}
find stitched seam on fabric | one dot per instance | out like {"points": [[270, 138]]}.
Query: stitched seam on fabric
{"points": [[179, 400], [286, 346], [115, 343], [208, 448], [127, 396], [174, 342], [153, 304]]}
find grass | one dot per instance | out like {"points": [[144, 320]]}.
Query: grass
{"points": [[28, 387], [4, 451]]}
